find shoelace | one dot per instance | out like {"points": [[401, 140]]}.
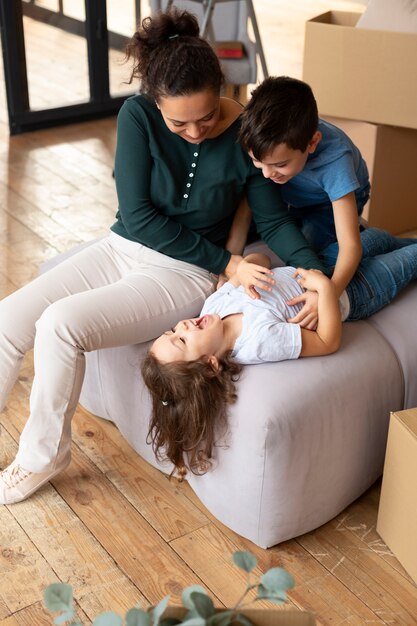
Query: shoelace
{"points": [[14, 475]]}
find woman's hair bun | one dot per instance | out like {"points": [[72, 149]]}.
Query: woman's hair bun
{"points": [[183, 23], [161, 26], [170, 58]]}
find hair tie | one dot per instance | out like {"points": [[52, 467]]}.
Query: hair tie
{"points": [[173, 36], [165, 402]]}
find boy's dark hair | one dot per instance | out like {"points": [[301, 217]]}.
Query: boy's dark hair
{"points": [[189, 409], [171, 59], [281, 110]]}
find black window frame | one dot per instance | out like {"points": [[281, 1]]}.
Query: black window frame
{"points": [[100, 104]]}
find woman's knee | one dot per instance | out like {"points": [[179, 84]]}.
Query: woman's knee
{"points": [[71, 322], [17, 327], [57, 321]]}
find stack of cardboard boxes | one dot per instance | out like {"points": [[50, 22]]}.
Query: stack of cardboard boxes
{"points": [[365, 82]]}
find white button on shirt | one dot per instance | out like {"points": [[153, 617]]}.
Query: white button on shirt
{"points": [[191, 174]]}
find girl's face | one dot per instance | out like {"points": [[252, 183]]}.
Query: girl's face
{"points": [[190, 340], [193, 117]]}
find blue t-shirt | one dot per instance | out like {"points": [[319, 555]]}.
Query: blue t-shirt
{"points": [[334, 169]]}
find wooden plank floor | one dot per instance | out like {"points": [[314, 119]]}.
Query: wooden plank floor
{"points": [[111, 525]]}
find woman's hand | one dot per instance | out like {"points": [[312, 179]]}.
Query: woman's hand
{"points": [[251, 276], [231, 267]]}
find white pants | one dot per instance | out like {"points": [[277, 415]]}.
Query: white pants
{"points": [[113, 293]]}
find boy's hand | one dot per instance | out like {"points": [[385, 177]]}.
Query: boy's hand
{"points": [[313, 281], [251, 276], [308, 316]]}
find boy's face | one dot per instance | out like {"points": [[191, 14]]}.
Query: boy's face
{"points": [[190, 340], [283, 163]]}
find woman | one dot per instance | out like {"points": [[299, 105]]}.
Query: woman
{"points": [[191, 369], [180, 174]]}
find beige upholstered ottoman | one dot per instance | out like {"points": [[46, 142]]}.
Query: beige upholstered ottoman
{"points": [[306, 437]]}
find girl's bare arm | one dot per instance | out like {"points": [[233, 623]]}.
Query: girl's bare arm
{"points": [[327, 336]]}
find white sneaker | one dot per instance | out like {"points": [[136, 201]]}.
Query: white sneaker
{"points": [[17, 484]]}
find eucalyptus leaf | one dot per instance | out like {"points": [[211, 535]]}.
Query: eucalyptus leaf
{"points": [[191, 613], [137, 617], [278, 596], [186, 595], [244, 560], [64, 617], [277, 578], [108, 619], [203, 604], [159, 610], [58, 597]]}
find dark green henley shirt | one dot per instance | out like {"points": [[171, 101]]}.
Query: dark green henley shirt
{"points": [[179, 198]]}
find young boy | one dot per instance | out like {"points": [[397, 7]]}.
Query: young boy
{"points": [[324, 178]]}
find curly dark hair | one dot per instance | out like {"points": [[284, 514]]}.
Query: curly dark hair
{"points": [[170, 58], [281, 110], [189, 408]]}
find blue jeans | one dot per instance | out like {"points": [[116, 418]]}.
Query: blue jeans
{"points": [[317, 222], [388, 264]]}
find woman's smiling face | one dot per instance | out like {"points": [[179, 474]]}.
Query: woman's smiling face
{"points": [[193, 117], [191, 340]]}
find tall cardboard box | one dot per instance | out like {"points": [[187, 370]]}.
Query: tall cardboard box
{"points": [[397, 515], [361, 74], [391, 155]]}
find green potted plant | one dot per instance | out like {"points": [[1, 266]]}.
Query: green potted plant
{"points": [[198, 608]]}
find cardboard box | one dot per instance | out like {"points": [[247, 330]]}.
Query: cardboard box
{"points": [[262, 617], [391, 155], [361, 74], [397, 515]]}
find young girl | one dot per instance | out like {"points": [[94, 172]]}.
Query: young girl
{"points": [[180, 173], [191, 369]]}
